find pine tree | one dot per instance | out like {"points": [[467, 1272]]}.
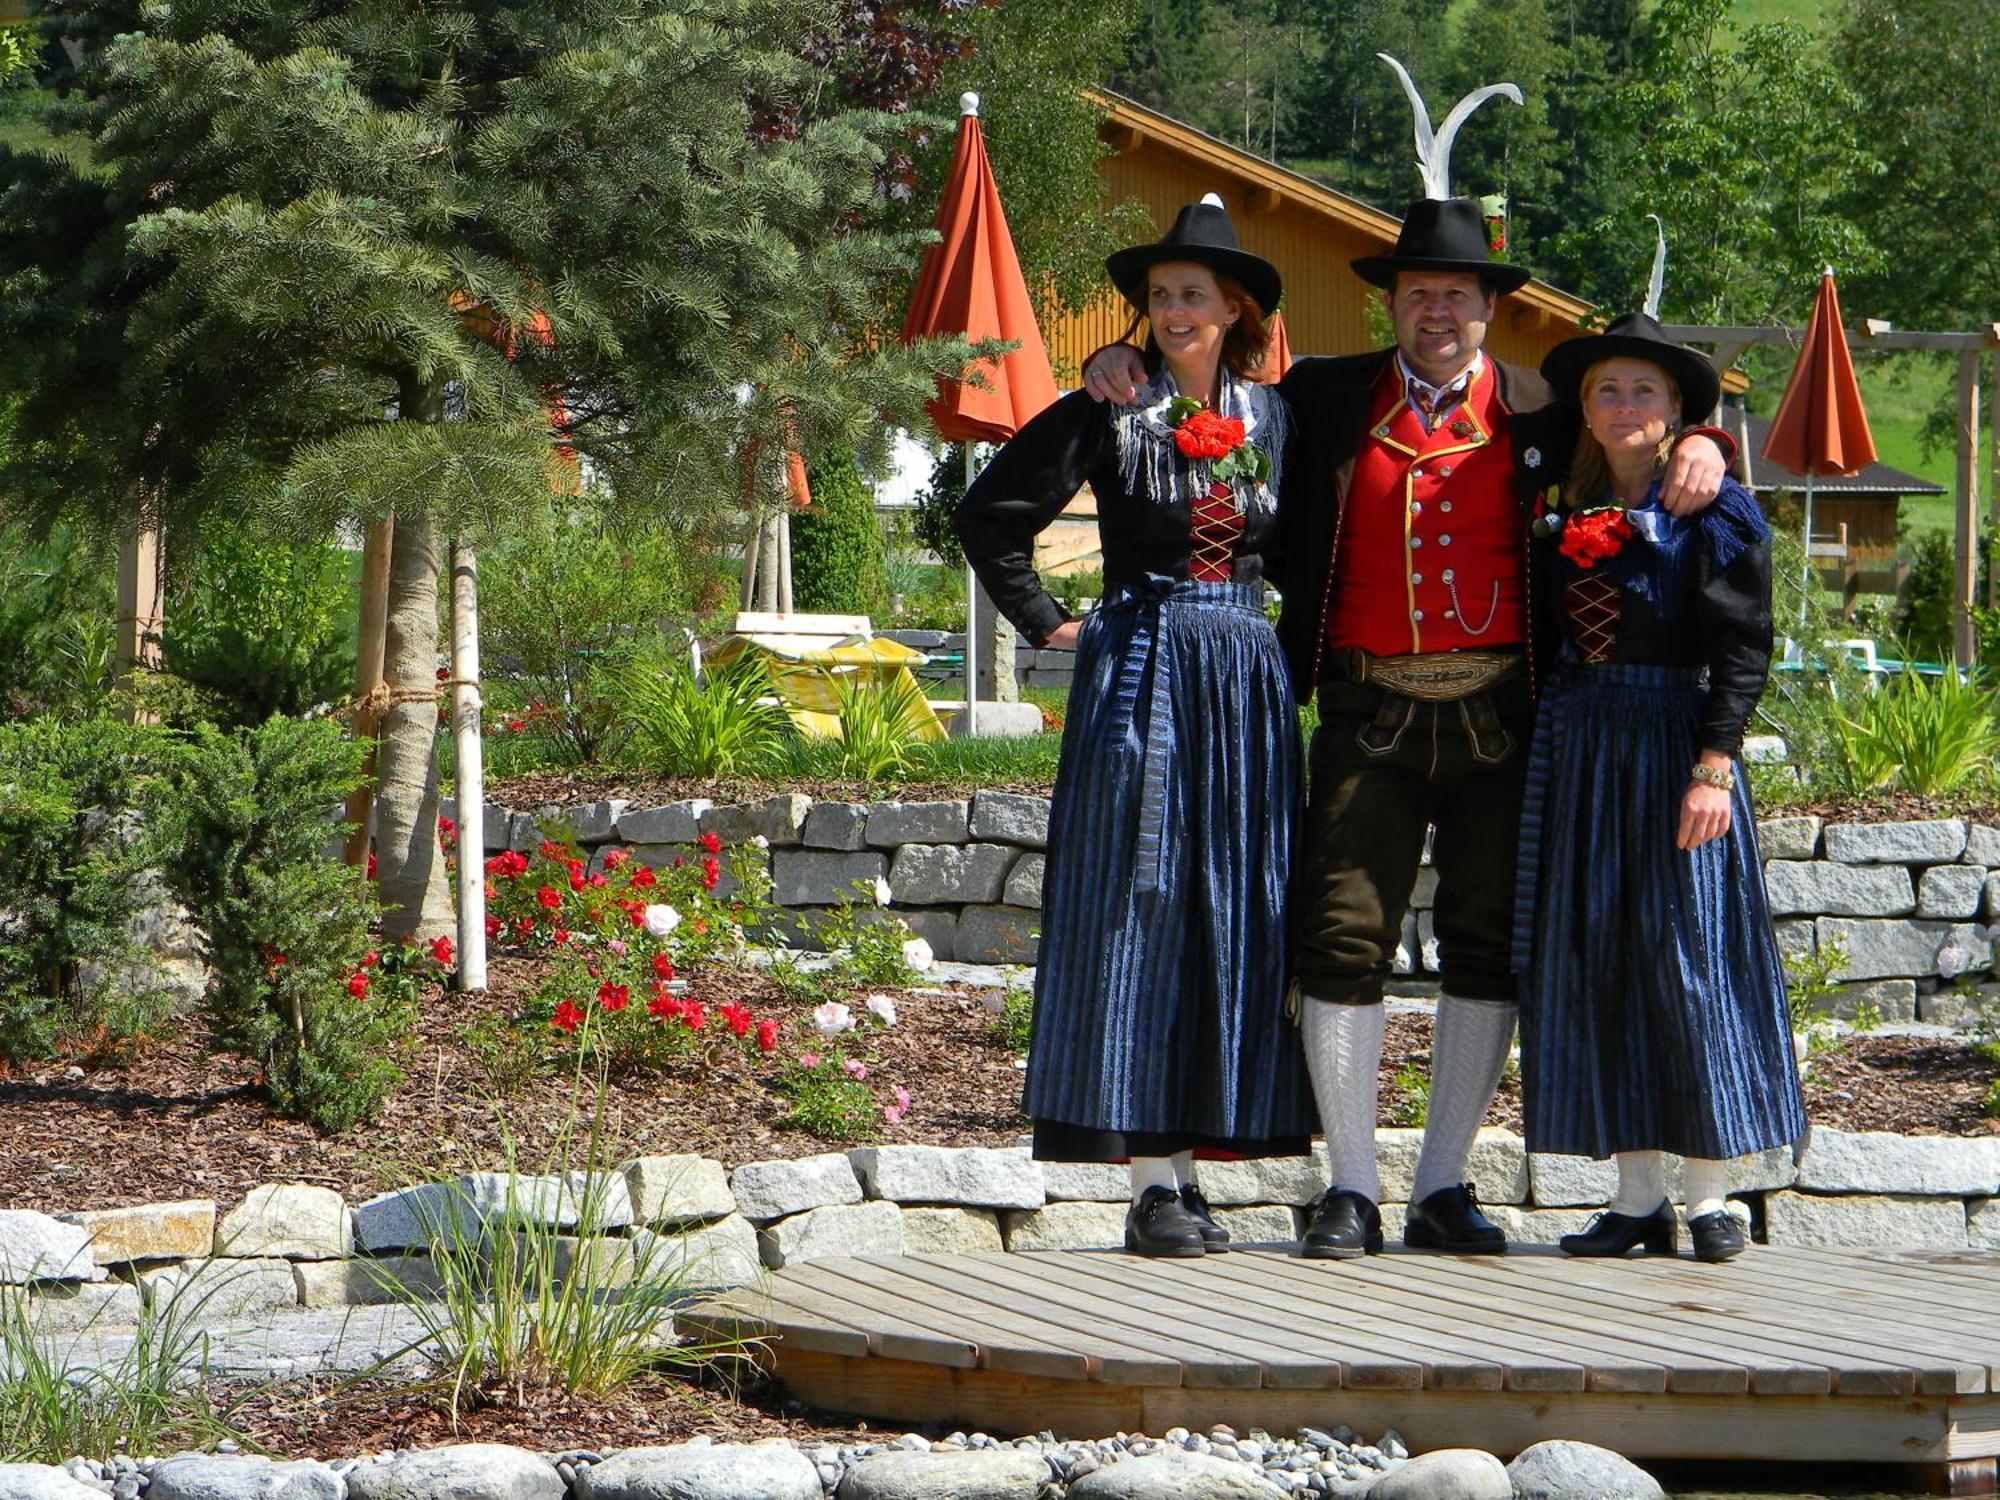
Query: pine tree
{"points": [[388, 255]]}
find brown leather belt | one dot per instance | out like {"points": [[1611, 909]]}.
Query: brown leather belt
{"points": [[1431, 677]]}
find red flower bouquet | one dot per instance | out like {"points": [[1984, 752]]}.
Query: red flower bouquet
{"points": [[1203, 434], [1593, 535]]}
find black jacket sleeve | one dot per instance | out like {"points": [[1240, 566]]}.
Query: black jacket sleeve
{"points": [[1733, 610], [1020, 492]]}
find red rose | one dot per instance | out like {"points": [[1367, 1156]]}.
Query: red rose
{"points": [[663, 1006], [693, 1013], [643, 879], [1206, 435], [370, 959], [560, 937], [613, 858], [663, 967], [551, 849], [357, 986], [441, 950], [711, 843], [494, 926], [711, 872], [613, 997], [767, 1035], [737, 1018], [567, 1017], [549, 897]]}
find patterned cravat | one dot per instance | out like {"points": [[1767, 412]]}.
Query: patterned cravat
{"points": [[1434, 403]]}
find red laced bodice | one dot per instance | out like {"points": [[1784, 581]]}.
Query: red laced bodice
{"points": [[1592, 605], [1212, 536]]}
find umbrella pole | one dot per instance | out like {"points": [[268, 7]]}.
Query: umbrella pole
{"points": [[971, 630], [1805, 588]]}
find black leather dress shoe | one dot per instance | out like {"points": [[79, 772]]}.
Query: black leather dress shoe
{"points": [[1158, 1225], [1345, 1225], [1213, 1236], [1716, 1236], [1450, 1220], [1657, 1233]]}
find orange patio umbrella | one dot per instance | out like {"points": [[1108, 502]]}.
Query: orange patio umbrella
{"points": [[1278, 357], [971, 285], [1821, 428]]}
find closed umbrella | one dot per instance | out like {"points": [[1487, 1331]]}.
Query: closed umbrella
{"points": [[1821, 428], [971, 285]]}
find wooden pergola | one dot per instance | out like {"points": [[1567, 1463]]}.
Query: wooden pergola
{"points": [[1972, 350]]}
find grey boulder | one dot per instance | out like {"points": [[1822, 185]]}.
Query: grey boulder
{"points": [[1562, 1470], [467, 1471], [1446, 1474], [987, 1474], [718, 1471], [42, 1482], [199, 1477], [1174, 1474]]}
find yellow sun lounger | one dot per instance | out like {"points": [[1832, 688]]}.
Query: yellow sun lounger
{"points": [[812, 658]]}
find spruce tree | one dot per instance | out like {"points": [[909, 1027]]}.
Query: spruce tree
{"points": [[392, 258]]}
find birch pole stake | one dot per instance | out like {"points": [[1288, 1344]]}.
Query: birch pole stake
{"points": [[471, 786]]}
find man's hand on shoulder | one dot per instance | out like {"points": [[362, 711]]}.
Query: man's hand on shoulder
{"points": [[1115, 373], [1695, 471]]}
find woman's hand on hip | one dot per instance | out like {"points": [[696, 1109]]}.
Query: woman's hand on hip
{"points": [[1704, 815], [1063, 637]]}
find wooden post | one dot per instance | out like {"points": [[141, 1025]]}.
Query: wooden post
{"points": [[1965, 559], [371, 635], [139, 614], [470, 782], [1993, 485]]}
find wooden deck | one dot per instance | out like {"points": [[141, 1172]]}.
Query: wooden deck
{"points": [[1788, 1355]]}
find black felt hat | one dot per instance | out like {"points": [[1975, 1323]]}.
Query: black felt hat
{"points": [[1442, 234], [1203, 234], [1635, 336]]}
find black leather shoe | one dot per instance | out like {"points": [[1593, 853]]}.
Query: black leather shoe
{"points": [[1716, 1236], [1213, 1236], [1657, 1233], [1345, 1226], [1158, 1225], [1450, 1220]]}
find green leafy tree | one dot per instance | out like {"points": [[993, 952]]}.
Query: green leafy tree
{"points": [[837, 562], [376, 243], [1746, 144], [1922, 74]]}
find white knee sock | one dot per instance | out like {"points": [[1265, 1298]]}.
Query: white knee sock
{"points": [[1183, 1167], [1153, 1171], [1707, 1185], [1343, 1051], [1642, 1183], [1468, 1055]]}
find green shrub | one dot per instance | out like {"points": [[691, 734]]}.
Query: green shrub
{"points": [[1928, 735], [827, 1102], [76, 850], [568, 593], [57, 603], [287, 927], [261, 628], [935, 504], [673, 722], [1015, 1025], [837, 552]]}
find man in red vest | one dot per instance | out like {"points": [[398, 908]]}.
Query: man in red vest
{"points": [[1409, 490]]}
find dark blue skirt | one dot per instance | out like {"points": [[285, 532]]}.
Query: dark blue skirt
{"points": [[1159, 994], [1653, 1008]]}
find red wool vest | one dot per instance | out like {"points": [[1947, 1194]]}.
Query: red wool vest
{"points": [[1431, 548]]}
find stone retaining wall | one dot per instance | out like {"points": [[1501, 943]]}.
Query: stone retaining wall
{"points": [[1907, 900], [288, 1244]]}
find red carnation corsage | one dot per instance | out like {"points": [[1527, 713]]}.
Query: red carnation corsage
{"points": [[1593, 535], [1207, 434]]}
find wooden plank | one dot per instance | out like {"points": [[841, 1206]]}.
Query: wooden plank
{"points": [[1503, 1299], [1211, 1307], [1931, 1319], [1965, 551], [1975, 1426], [1943, 1361], [1009, 1336], [1522, 1363], [1138, 1309], [985, 1400], [897, 1329], [762, 1319], [1730, 1319]]}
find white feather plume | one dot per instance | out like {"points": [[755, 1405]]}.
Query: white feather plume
{"points": [[1434, 149], [1658, 283]]}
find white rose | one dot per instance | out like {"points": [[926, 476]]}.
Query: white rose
{"points": [[761, 842], [661, 920], [881, 891], [832, 1018], [917, 954], [882, 1008]]}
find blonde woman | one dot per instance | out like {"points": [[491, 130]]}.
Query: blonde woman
{"points": [[1653, 1015]]}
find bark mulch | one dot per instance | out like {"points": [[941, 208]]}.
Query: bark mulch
{"points": [[181, 1121]]}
